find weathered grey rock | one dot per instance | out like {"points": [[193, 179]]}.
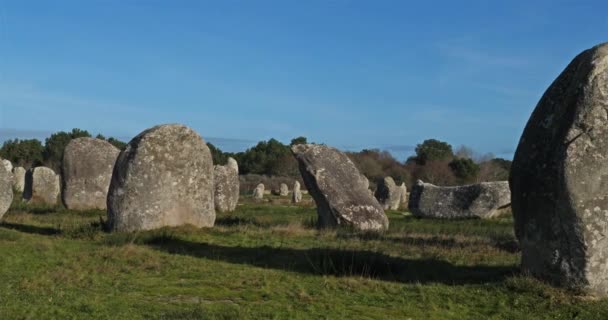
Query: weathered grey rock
{"points": [[226, 179], [42, 186], [388, 194], [258, 192], [19, 179], [483, 200], [338, 189], [87, 170], [164, 177], [404, 195], [7, 165], [296, 196], [6, 190], [559, 179], [283, 190]]}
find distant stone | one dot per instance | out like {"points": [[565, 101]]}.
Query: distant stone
{"points": [[404, 195], [559, 179], [87, 171], [484, 200], [338, 189], [6, 190], [388, 194], [7, 165], [296, 196], [19, 179], [226, 179], [41, 186], [283, 190], [258, 192], [164, 177]]}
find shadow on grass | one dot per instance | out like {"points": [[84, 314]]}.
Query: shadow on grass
{"points": [[46, 231], [336, 262]]}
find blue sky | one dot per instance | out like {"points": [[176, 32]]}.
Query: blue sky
{"points": [[353, 74]]}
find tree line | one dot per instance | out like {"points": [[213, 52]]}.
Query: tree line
{"points": [[434, 161]]}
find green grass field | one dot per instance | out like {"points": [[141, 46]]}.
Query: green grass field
{"points": [[267, 261]]}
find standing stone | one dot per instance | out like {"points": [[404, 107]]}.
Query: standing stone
{"points": [[296, 196], [404, 195], [87, 171], [258, 192], [483, 200], [164, 177], [6, 190], [283, 190], [42, 185], [388, 194], [7, 165], [19, 179], [559, 179], [226, 179], [338, 189]]}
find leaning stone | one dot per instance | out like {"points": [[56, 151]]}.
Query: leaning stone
{"points": [[42, 186], [258, 192], [484, 200], [283, 190], [338, 189], [226, 179], [19, 179], [6, 190], [388, 194], [164, 177], [87, 171], [559, 179], [296, 196]]}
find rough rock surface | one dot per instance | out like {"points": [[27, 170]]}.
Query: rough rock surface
{"points": [[338, 189], [164, 177], [41, 186], [404, 195], [559, 179], [388, 194], [283, 190], [19, 178], [258, 192], [6, 190], [296, 195], [483, 200], [87, 170], [226, 179]]}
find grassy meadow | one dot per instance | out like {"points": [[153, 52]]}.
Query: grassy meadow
{"points": [[268, 261]]}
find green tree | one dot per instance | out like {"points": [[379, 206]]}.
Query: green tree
{"points": [[298, 140], [25, 153], [267, 157], [464, 169], [117, 143], [219, 157], [432, 150], [55, 145]]}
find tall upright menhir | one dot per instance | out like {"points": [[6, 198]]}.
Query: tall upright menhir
{"points": [[559, 179], [164, 177]]}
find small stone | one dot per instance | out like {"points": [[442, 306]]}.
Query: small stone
{"points": [[283, 190], [87, 171], [296, 196], [226, 179], [42, 185], [258, 192]]}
